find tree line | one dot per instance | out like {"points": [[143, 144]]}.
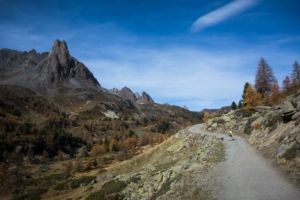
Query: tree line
{"points": [[266, 90]]}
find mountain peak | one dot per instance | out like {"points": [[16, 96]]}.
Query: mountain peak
{"points": [[145, 98]]}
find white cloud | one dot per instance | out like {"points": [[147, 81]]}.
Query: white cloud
{"points": [[222, 14], [181, 76]]}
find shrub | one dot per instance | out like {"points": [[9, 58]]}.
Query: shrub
{"points": [[256, 126], [292, 152], [85, 180], [62, 186], [99, 195], [113, 186]]}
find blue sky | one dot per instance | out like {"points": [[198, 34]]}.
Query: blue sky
{"points": [[196, 53]]}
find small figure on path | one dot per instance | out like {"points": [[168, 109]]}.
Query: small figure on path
{"points": [[230, 135]]}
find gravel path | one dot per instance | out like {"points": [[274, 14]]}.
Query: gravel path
{"points": [[246, 175]]}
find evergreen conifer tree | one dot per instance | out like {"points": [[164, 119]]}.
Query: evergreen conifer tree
{"points": [[233, 106]]}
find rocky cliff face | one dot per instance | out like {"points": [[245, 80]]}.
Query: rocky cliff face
{"points": [[45, 72]]}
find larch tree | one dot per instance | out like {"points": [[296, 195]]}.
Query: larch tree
{"points": [[244, 92], [286, 84], [68, 168], [276, 95], [296, 71], [252, 98], [264, 77], [206, 117]]}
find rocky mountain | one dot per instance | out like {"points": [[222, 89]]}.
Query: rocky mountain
{"points": [[126, 93], [145, 98], [221, 110], [46, 72]]}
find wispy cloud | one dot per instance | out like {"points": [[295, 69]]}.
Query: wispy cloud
{"points": [[222, 14]]}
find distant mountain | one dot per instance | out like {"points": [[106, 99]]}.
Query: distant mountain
{"points": [[221, 110], [126, 93], [46, 72], [145, 98]]}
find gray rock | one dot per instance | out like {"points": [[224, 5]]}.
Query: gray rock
{"points": [[226, 118], [296, 116], [296, 101], [287, 108], [109, 176], [214, 125], [262, 109], [282, 149]]}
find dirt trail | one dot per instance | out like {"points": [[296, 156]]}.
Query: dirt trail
{"points": [[246, 175]]}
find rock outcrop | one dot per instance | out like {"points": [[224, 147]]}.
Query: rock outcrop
{"points": [[126, 93], [145, 98]]}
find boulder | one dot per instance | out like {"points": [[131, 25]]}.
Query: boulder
{"points": [[282, 149], [296, 101], [287, 108], [296, 116], [214, 125], [257, 121], [226, 118], [209, 123]]}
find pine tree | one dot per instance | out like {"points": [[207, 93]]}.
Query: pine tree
{"points": [[233, 106], [252, 98], [296, 72], [240, 105], [264, 77]]}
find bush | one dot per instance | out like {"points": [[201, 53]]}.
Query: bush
{"points": [[62, 186], [292, 152], [85, 180], [245, 112], [113, 186], [256, 126], [99, 195]]}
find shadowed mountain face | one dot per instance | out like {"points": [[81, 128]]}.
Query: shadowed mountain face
{"points": [[47, 72]]}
